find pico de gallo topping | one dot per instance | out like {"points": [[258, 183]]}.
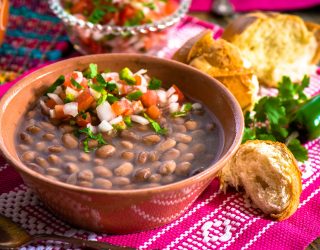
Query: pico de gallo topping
{"points": [[107, 102], [121, 13]]}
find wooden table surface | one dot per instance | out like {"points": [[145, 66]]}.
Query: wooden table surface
{"points": [[312, 15]]}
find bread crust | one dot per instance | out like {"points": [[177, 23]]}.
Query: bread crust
{"points": [[230, 175]]}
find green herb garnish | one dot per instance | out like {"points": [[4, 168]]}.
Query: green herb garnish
{"points": [[110, 86], [60, 80], [150, 5], [111, 98], [272, 116], [102, 98], [126, 75], [127, 121], [90, 135], [156, 126], [154, 83], [185, 109], [134, 95], [136, 20], [69, 98], [75, 83], [96, 16]]}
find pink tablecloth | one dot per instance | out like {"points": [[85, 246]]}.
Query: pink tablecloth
{"points": [[249, 228], [250, 5]]}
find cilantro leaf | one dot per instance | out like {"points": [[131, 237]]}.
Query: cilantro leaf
{"points": [[299, 151], [154, 83], [60, 80], [134, 95], [156, 126], [75, 83]]}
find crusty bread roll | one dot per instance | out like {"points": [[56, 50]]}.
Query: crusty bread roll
{"points": [[269, 174], [276, 45], [223, 61]]}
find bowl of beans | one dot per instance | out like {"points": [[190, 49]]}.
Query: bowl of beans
{"points": [[100, 136]]}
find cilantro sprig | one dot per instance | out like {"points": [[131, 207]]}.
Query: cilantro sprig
{"points": [[90, 135], [156, 126], [272, 116], [59, 81], [154, 83]]}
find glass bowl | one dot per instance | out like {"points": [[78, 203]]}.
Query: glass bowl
{"points": [[89, 38]]}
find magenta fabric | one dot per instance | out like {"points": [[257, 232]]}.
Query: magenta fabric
{"points": [[250, 5], [248, 226]]}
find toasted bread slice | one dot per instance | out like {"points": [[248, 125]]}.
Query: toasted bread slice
{"points": [[269, 174]]}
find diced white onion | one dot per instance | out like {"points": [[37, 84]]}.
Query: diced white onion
{"points": [[94, 129], [162, 96], [71, 108], [70, 91], [52, 113], [58, 90], [141, 72], [139, 119], [96, 95], [171, 91], [173, 98], [142, 88], [116, 120], [196, 106], [79, 77], [137, 107], [44, 107], [105, 112], [113, 75], [173, 107], [105, 126], [55, 97]]}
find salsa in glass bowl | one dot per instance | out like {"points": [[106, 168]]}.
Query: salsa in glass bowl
{"points": [[105, 26]]}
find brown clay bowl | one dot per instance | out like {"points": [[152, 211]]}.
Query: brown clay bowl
{"points": [[121, 211]]}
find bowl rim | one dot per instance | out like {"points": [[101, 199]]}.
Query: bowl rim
{"points": [[40, 73], [158, 25]]}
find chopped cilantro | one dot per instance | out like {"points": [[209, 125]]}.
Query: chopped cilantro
{"points": [[102, 98], [96, 16], [134, 95], [60, 80], [76, 84], [110, 86], [111, 98], [185, 109], [90, 135], [150, 5], [126, 75], [136, 20], [127, 121], [154, 83], [156, 126]]}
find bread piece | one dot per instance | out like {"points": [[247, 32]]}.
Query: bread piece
{"points": [[222, 61], [276, 45], [269, 174]]}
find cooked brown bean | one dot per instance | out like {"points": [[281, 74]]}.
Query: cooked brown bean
{"points": [[41, 146], [37, 168], [93, 144], [187, 157], [54, 159], [69, 141], [72, 179], [105, 151], [142, 174], [87, 184], [178, 120], [191, 125], [129, 135], [127, 155], [155, 165], [102, 183], [102, 171], [33, 129], [48, 136], [142, 127], [85, 175], [167, 144], [198, 148], [151, 139], [155, 178], [56, 149], [179, 128], [31, 114], [85, 157], [180, 137], [126, 144], [198, 133], [120, 181], [171, 154], [25, 138], [124, 169], [71, 168], [154, 156], [70, 157], [47, 126], [54, 171], [65, 128], [42, 162], [182, 146], [98, 161], [183, 168], [28, 156], [168, 179], [142, 157], [23, 147], [167, 167]]}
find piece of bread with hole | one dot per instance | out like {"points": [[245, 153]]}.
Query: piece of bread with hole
{"points": [[223, 61], [276, 45], [269, 175]]}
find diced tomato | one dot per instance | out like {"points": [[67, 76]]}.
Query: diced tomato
{"points": [[127, 13], [122, 107], [83, 119], [149, 98], [170, 7], [79, 7], [50, 103], [179, 93], [125, 89], [138, 79], [84, 100], [154, 112], [59, 113]]}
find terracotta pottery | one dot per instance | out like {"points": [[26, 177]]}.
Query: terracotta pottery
{"points": [[121, 211]]}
